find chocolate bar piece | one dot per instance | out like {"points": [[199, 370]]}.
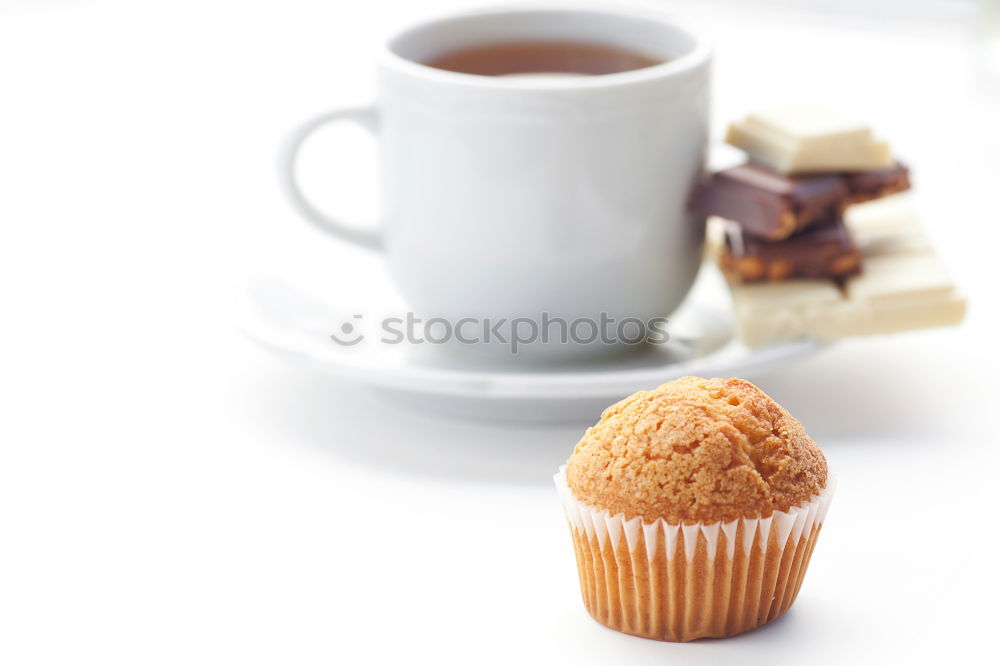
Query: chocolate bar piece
{"points": [[900, 278], [773, 206], [896, 293], [804, 139], [824, 251], [877, 183], [886, 226], [769, 205], [905, 286], [770, 313]]}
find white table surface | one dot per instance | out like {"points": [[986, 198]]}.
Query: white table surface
{"points": [[171, 494]]}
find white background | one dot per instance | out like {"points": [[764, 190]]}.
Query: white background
{"points": [[171, 494]]}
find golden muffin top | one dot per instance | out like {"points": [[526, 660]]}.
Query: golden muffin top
{"points": [[696, 450]]}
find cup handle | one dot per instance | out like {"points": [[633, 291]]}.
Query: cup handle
{"points": [[370, 238]]}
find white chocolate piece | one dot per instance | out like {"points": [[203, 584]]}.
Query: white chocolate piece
{"points": [[886, 226], [930, 312], [808, 138], [767, 318], [715, 237], [899, 278], [894, 211], [771, 312], [798, 294]]}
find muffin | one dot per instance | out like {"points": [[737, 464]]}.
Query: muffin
{"points": [[694, 509]]}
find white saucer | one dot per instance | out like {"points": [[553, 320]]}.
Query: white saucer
{"points": [[287, 319]]}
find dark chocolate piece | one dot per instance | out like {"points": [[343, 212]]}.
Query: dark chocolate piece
{"points": [[773, 206], [877, 183], [770, 205], [824, 251]]}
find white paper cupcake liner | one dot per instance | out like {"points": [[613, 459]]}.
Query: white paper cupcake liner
{"points": [[680, 582]]}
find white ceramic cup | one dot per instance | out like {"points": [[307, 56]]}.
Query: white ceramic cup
{"points": [[506, 197]]}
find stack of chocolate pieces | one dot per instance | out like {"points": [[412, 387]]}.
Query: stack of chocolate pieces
{"points": [[792, 226], [792, 255]]}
